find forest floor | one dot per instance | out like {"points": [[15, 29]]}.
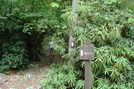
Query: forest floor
{"points": [[28, 79]]}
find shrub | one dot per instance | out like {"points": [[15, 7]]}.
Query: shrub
{"points": [[14, 56]]}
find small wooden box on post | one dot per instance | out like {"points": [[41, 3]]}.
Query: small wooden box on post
{"points": [[87, 55]]}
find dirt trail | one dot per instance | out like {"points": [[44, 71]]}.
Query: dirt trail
{"points": [[31, 77]]}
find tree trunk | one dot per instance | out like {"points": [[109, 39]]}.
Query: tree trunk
{"points": [[74, 24]]}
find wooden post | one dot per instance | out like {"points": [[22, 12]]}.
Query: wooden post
{"points": [[87, 54], [88, 78]]}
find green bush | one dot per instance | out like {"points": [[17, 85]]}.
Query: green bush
{"points": [[14, 56], [102, 22], [62, 76]]}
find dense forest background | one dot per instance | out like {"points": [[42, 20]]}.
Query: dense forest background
{"points": [[27, 25]]}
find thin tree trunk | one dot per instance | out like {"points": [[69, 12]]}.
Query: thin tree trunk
{"points": [[75, 18]]}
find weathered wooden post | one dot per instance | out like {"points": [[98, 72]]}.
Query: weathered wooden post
{"points": [[87, 54]]}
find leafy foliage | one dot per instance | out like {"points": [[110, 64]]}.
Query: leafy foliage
{"points": [[110, 28], [15, 57], [109, 24], [13, 48], [63, 77], [26, 22]]}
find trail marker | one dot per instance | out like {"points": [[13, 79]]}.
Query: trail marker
{"points": [[87, 54]]}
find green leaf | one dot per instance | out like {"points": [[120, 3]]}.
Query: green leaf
{"points": [[55, 5], [113, 1]]}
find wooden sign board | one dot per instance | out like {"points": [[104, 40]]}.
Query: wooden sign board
{"points": [[87, 52]]}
